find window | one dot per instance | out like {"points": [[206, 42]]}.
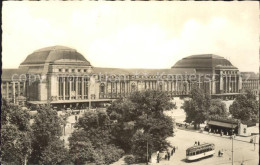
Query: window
{"points": [[60, 70], [102, 88], [72, 70], [160, 87], [85, 70], [79, 70], [133, 86], [66, 70]]}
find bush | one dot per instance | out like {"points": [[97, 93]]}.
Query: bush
{"points": [[111, 153], [129, 159]]}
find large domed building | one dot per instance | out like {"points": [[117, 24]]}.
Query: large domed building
{"points": [[63, 77]]}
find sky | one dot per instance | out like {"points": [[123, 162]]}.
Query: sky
{"points": [[133, 34]]}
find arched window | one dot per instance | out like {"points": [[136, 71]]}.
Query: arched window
{"points": [[160, 87], [122, 87], [133, 87], [102, 88]]}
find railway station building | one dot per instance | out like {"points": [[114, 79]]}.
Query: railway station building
{"points": [[63, 77]]}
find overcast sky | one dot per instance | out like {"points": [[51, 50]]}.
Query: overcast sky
{"points": [[134, 34]]}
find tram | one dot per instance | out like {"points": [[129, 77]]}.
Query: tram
{"points": [[200, 151]]}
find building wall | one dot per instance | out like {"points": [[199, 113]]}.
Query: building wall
{"points": [[244, 130]]}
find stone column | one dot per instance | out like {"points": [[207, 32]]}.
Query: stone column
{"points": [[82, 88], [76, 86], [221, 85], [176, 86], [24, 88], [213, 84], [230, 84], [69, 89], [13, 87], [226, 77], [19, 88], [235, 82], [63, 82]]}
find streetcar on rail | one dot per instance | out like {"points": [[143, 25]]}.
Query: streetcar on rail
{"points": [[200, 151]]}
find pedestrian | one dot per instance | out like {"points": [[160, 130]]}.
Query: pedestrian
{"points": [[198, 143], [158, 158], [219, 153], [195, 143], [168, 154], [76, 117], [174, 149], [172, 152]]}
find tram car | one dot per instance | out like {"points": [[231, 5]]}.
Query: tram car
{"points": [[200, 151]]}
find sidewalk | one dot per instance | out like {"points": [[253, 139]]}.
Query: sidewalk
{"points": [[238, 138]]}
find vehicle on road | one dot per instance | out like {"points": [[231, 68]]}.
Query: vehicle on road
{"points": [[200, 151]]}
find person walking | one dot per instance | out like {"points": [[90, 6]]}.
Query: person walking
{"points": [[195, 143], [168, 155], [198, 143], [174, 149], [158, 158], [172, 152]]}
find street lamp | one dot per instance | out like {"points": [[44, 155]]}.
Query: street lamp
{"points": [[232, 146]]}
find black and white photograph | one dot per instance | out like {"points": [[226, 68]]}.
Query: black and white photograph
{"points": [[130, 83]]}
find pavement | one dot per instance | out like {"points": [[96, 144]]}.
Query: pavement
{"points": [[238, 138]]}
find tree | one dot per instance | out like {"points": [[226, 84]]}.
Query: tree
{"points": [[139, 145], [55, 153], [217, 109], [15, 115], [46, 130], [81, 148], [197, 108], [245, 107], [143, 110], [15, 144], [15, 134], [92, 141]]}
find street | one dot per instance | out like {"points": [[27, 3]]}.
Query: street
{"points": [[243, 151]]}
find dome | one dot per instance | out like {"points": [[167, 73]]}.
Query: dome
{"points": [[55, 54], [203, 61]]}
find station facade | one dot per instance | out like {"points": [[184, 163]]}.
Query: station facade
{"points": [[61, 76]]}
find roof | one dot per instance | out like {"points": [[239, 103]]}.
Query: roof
{"points": [[117, 71], [55, 54], [249, 75], [223, 124], [200, 146], [8, 74], [203, 61]]}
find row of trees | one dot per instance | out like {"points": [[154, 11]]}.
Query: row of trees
{"points": [[36, 143], [135, 125], [201, 107], [128, 126]]}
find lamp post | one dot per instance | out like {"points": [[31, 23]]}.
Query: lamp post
{"points": [[232, 135]]}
